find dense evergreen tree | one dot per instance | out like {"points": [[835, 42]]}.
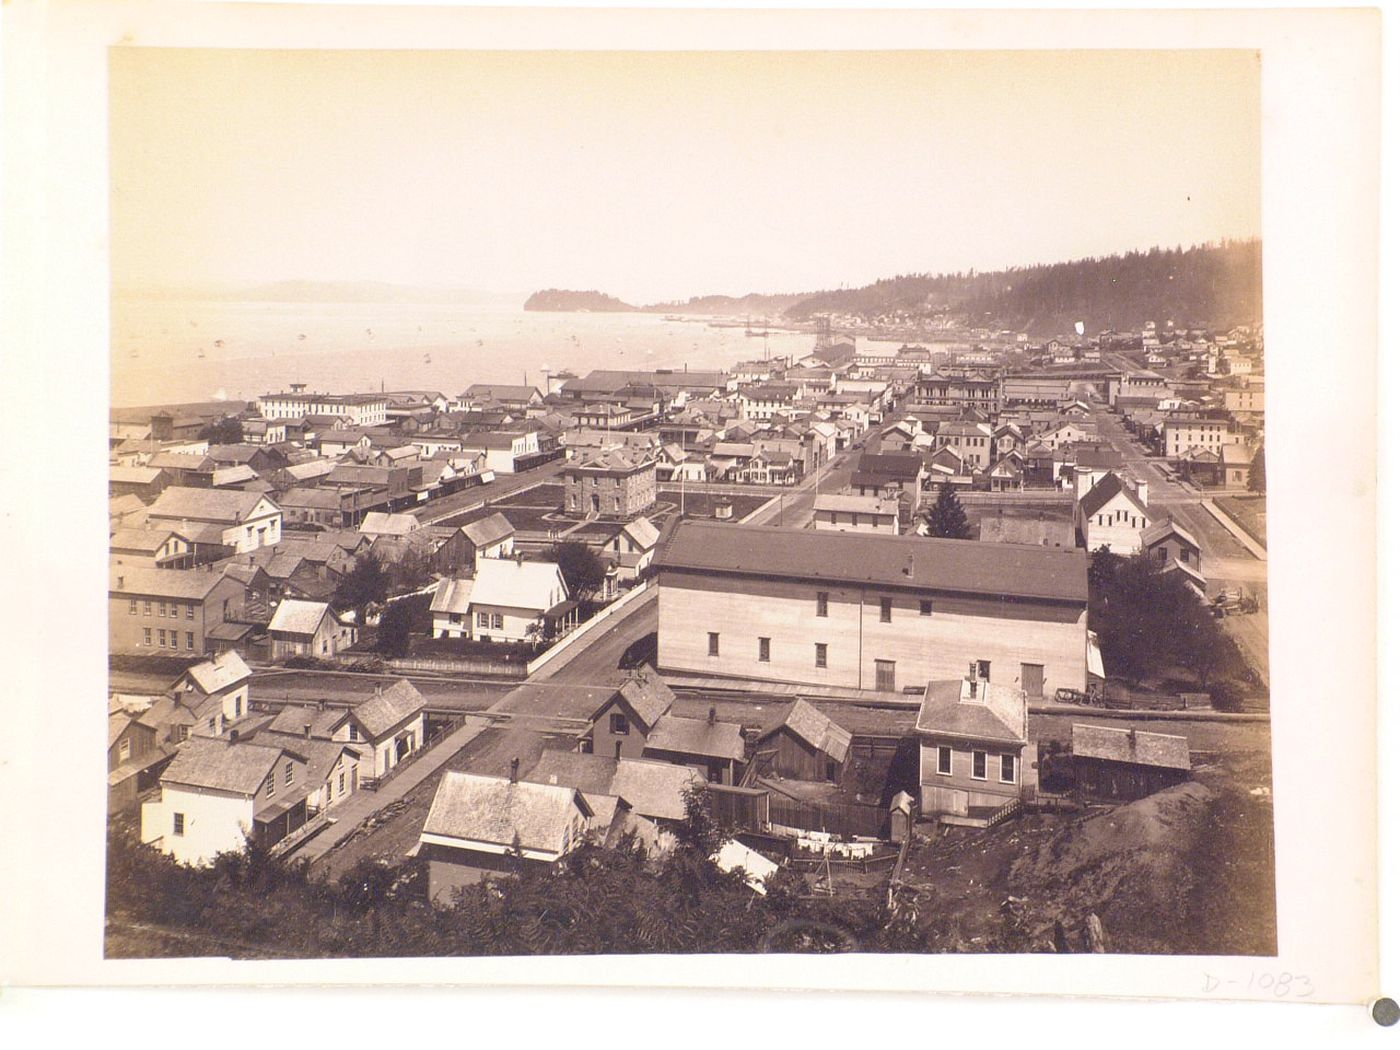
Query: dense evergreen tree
{"points": [[946, 519], [1256, 472]]}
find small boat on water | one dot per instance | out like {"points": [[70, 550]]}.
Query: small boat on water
{"points": [[427, 359], [218, 342], [301, 335], [200, 355]]}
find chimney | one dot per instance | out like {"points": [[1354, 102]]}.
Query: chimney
{"points": [[233, 736], [712, 716], [121, 582], [514, 770], [1132, 740], [306, 729], [1141, 487]]}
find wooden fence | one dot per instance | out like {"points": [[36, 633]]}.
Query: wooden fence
{"points": [[836, 817], [741, 808]]}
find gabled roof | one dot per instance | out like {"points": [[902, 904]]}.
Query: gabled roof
{"points": [[1130, 745], [517, 584], [1160, 530], [385, 710], [224, 505], [320, 755], [294, 616], [654, 789], [904, 562], [846, 503], [697, 736], [147, 541], [646, 694], [222, 672], [133, 475], [294, 718], [210, 762], [452, 596], [815, 728], [1108, 486], [380, 523], [163, 583], [497, 811], [492, 529], [986, 712], [642, 532]]}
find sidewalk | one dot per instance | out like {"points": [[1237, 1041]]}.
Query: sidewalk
{"points": [[364, 804], [1246, 540]]}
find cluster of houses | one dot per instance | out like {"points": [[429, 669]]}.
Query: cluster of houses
{"points": [[215, 773], [221, 549]]}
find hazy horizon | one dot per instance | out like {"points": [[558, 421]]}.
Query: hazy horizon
{"points": [[658, 176]]}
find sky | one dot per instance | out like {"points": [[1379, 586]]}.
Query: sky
{"points": [[661, 175]]}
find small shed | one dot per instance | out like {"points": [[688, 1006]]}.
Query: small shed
{"points": [[1127, 764], [805, 745], [901, 816]]}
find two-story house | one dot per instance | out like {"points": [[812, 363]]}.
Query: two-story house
{"points": [[975, 751], [245, 520]]}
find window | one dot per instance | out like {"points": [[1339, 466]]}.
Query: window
{"points": [[160, 608], [162, 638], [945, 761], [765, 646], [179, 827], [148, 608], [189, 640], [354, 731], [124, 750], [189, 612], [979, 765], [132, 608], [213, 726], [483, 619], [822, 598], [984, 670], [821, 654], [287, 774], [617, 724], [342, 781], [714, 643], [1008, 769], [886, 606], [148, 635], [497, 621], [925, 607], [238, 707], [270, 787]]}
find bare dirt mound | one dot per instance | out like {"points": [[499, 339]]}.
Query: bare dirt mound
{"points": [[1185, 871]]}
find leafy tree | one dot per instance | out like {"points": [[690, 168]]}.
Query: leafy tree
{"points": [[946, 519], [396, 628], [225, 431], [583, 570], [1256, 472], [700, 831], [366, 582]]}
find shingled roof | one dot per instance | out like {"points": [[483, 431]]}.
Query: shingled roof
{"points": [[696, 736], [211, 762], [816, 729], [501, 812], [221, 672], [646, 694], [1130, 745], [488, 530], [986, 712], [1108, 486], [226, 505], [386, 709], [903, 562]]}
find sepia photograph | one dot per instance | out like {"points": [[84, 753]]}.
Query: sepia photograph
{"points": [[687, 502], [654, 494]]}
